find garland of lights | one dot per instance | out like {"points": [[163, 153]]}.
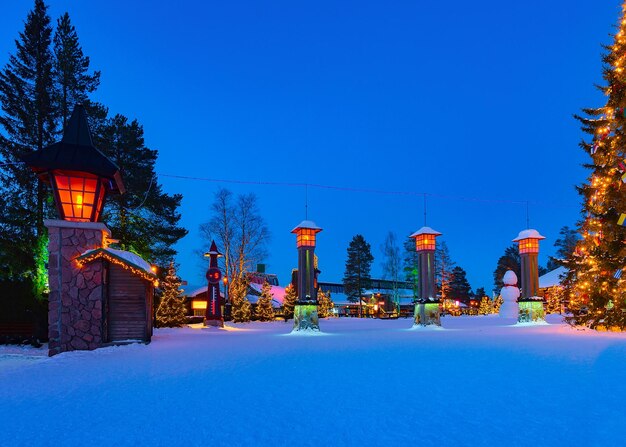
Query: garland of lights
{"points": [[101, 253]]}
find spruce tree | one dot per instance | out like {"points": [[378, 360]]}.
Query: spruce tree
{"points": [[171, 311], [71, 70], [596, 286], [324, 304], [28, 124], [565, 246], [144, 219], [241, 309], [509, 261], [289, 302], [264, 310], [357, 273], [460, 288]]}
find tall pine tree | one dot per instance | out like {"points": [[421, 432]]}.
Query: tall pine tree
{"points": [[27, 123], [595, 288], [73, 82], [357, 276], [145, 219], [460, 288]]}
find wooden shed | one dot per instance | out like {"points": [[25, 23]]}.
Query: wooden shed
{"points": [[127, 305]]}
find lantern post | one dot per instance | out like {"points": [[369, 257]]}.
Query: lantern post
{"points": [[213, 316], [305, 310], [427, 306], [530, 305], [80, 177]]}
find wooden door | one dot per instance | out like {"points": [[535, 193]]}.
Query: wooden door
{"points": [[127, 306]]}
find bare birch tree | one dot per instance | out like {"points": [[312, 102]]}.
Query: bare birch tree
{"points": [[239, 231]]}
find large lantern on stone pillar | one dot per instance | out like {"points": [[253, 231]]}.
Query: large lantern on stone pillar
{"points": [[305, 311], [530, 305], [427, 306], [80, 175]]}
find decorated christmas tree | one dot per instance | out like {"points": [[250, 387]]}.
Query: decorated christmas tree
{"points": [[264, 310], [171, 311], [486, 305], [497, 303], [241, 309], [290, 301], [324, 304], [594, 285]]}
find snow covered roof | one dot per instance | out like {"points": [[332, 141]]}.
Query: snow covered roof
{"points": [[125, 257], [278, 293], [528, 234], [552, 278], [309, 224], [425, 230]]}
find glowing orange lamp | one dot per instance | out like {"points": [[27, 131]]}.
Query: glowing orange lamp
{"points": [[80, 175]]}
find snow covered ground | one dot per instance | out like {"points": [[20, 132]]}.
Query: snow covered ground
{"points": [[369, 382]]}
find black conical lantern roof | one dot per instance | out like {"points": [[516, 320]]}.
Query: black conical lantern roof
{"points": [[76, 152]]}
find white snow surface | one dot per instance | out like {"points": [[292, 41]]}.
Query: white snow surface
{"points": [[373, 383]]}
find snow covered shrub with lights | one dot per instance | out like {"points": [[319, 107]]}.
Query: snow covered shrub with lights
{"points": [[171, 311]]}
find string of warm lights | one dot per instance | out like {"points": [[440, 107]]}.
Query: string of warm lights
{"points": [[107, 256], [595, 279]]}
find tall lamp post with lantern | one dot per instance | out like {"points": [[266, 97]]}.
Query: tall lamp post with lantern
{"points": [[427, 306], [80, 177], [213, 316], [305, 310], [531, 307]]}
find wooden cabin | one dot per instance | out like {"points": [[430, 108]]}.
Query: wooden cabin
{"points": [[128, 299]]}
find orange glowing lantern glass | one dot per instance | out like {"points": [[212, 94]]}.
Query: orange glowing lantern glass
{"points": [[305, 233], [425, 239], [79, 196], [528, 241], [80, 175]]}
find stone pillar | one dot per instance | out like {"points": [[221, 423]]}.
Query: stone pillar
{"points": [[75, 309]]}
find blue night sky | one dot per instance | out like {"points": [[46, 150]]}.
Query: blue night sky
{"points": [[471, 102]]}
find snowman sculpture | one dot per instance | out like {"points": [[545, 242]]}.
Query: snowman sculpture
{"points": [[509, 293]]}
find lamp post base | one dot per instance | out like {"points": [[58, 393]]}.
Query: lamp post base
{"points": [[427, 314], [305, 318], [531, 311], [214, 322]]}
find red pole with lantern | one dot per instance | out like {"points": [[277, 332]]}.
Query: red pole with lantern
{"points": [[427, 306], [213, 315], [305, 310]]}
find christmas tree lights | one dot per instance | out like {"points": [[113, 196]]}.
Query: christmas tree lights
{"points": [[597, 296]]}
